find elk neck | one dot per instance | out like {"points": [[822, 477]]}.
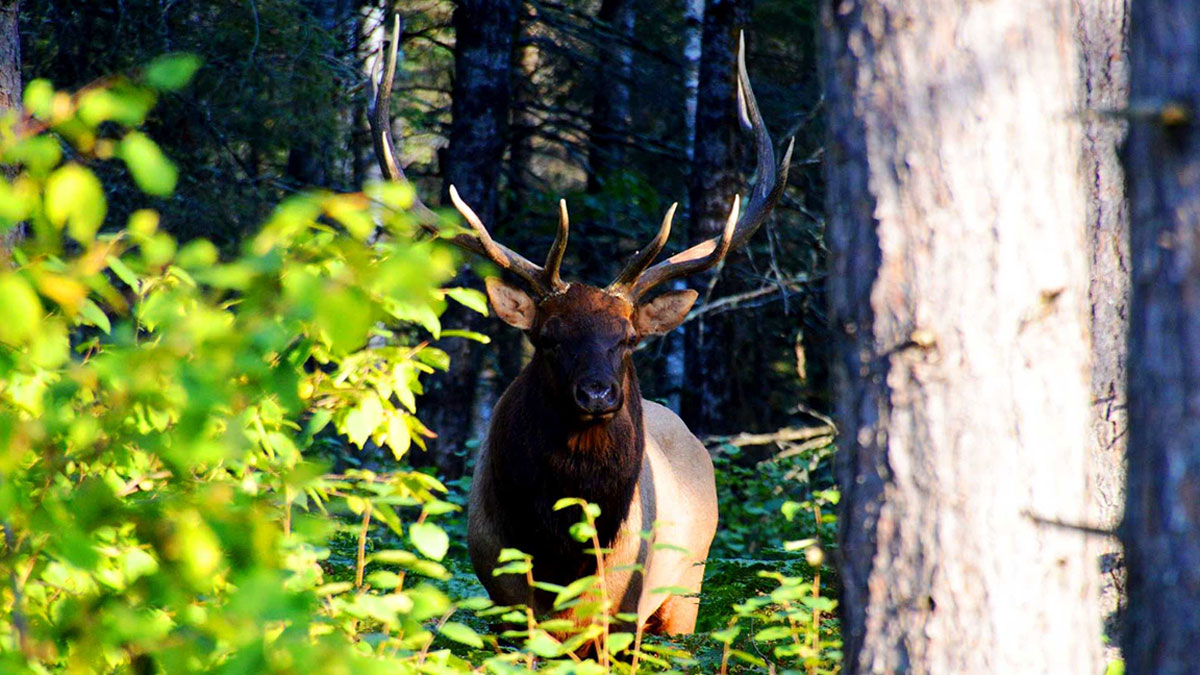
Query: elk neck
{"points": [[541, 452]]}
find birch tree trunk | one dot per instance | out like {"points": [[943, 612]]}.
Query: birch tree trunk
{"points": [[693, 31], [1104, 71], [1161, 530], [956, 223]]}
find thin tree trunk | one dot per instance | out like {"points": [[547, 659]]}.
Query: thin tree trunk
{"points": [[1104, 64], [485, 32], [1161, 530], [610, 103], [10, 94], [693, 32], [714, 181], [956, 213]]}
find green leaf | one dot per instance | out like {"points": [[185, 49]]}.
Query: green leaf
{"points": [[573, 590], [470, 298], [39, 98], [172, 72], [399, 439], [94, 316], [431, 540], [74, 197], [151, 170], [467, 334], [543, 645], [619, 642], [363, 420], [511, 554], [126, 107], [383, 579], [772, 633], [20, 312], [123, 272], [463, 633]]}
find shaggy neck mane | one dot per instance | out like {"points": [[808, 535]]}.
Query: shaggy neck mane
{"points": [[541, 453]]}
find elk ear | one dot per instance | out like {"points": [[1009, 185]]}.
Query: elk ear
{"points": [[662, 314], [512, 304]]}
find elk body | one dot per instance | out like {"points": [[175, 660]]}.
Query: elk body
{"points": [[573, 422]]}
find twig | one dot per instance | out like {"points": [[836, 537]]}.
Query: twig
{"points": [[731, 301], [360, 563], [785, 435]]}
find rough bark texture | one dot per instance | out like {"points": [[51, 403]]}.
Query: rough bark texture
{"points": [[714, 181], [1104, 72], [484, 33], [956, 213], [1161, 531], [10, 56], [10, 92], [611, 114]]}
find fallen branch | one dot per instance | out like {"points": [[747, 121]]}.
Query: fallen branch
{"points": [[785, 435]]}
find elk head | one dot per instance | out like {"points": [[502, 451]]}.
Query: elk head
{"points": [[584, 335]]}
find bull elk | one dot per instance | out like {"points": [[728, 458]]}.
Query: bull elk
{"points": [[573, 423]]}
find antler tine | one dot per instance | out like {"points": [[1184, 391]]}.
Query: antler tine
{"points": [[381, 124], [768, 188], [483, 244], [634, 268], [555, 257], [385, 152]]}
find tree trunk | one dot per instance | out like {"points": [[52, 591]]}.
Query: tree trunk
{"points": [[714, 181], [675, 359], [610, 103], [485, 31], [10, 94], [956, 212], [1104, 73], [1161, 531]]}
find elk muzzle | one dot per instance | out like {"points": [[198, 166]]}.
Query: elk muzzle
{"points": [[597, 398]]}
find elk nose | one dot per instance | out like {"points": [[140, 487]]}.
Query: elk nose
{"points": [[596, 397]]}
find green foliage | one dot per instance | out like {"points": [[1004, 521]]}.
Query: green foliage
{"points": [[163, 412]]}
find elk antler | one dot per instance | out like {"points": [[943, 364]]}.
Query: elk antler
{"points": [[636, 280], [543, 281]]}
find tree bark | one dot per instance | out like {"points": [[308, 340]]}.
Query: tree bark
{"points": [[10, 94], [956, 211], [483, 55], [1161, 530], [1104, 73], [713, 183], [611, 115]]}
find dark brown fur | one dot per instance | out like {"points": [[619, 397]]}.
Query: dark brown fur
{"points": [[540, 448]]}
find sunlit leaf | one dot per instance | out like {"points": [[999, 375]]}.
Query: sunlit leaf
{"points": [[463, 633], [150, 168], [363, 420], [431, 540], [20, 312], [469, 297], [75, 198], [39, 97]]}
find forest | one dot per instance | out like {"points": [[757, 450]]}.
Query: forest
{"points": [[862, 341]]}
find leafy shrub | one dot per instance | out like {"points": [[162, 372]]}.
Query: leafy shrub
{"points": [[163, 415]]}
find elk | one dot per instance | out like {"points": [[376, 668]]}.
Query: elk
{"points": [[573, 423]]}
